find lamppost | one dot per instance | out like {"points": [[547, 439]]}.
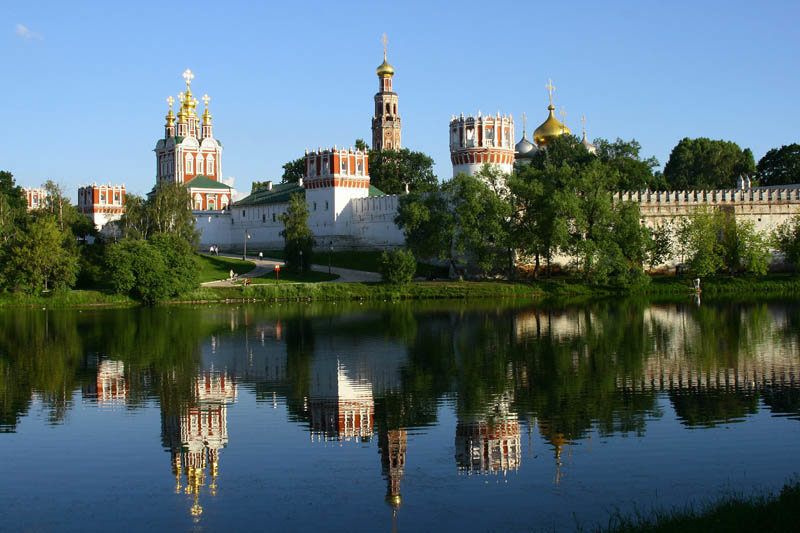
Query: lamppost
{"points": [[330, 256], [246, 236], [301, 261]]}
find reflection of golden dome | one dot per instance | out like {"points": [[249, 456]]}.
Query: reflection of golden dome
{"points": [[394, 500], [385, 69], [549, 129]]}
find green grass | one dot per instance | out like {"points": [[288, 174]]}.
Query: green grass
{"points": [[214, 268], [68, 298], [291, 277], [368, 261], [764, 513]]}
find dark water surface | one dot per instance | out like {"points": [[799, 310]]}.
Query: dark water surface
{"points": [[429, 416]]}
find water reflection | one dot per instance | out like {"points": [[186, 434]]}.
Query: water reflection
{"points": [[349, 375]]}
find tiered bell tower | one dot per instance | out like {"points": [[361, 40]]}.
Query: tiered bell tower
{"points": [[386, 122]]}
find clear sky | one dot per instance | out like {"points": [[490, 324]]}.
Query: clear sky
{"points": [[83, 85]]}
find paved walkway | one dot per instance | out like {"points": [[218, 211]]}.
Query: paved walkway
{"points": [[267, 266]]}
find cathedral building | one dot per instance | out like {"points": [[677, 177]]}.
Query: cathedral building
{"points": [[190, 155], [386, 122]]}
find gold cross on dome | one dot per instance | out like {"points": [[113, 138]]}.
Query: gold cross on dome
{"points": [[524, 119], [563, 114], [583, 118], [180, 97], [384, 40], [206, 99], [550, 88], [170, 101], [188, 76]]}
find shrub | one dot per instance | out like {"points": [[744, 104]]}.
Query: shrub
{"points": [[397, 267]]}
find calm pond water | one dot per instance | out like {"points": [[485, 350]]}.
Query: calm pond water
{"points": [[428, 416]]}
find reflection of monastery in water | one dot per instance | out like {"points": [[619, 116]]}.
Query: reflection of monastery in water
{"points": [[111, 386], [677, 344], [339, 407], [489, 443], [197, 432]]}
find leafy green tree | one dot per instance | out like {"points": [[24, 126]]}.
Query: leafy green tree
{"points": [[480, 214], [169, 211], [361, 144], [541, 211], [780, 166], [166, 211], [67, 215], [563, 150], [138, 269], [180, 259], [429, 225], [12, 206], [298, 237], [294, 170], [392, 170], [786, 239], [699, 238], [705, 164], [633, 172], [397, 267], [40, 256], [660, 250]]}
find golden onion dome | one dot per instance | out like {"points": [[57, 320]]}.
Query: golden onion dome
{"points": [[550, 129], [385, 69]]}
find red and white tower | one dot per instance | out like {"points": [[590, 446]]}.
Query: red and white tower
{"points": [[189, 154], [485, 139], [386, 122], [35, 197], [102, 203], [334, 177]]}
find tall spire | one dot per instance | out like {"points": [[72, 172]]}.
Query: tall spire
{"points": [[384, 40]]}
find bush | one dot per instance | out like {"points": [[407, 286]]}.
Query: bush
{"points": [[397, 267]]}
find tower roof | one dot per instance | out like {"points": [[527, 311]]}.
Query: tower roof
{"points": [[385, 69], [524, 148]]}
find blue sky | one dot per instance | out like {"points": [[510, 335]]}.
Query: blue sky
{"points": [[84, 83]]}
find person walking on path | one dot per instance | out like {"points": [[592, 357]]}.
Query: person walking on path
{"points": [[231, 274], [260, 256]]}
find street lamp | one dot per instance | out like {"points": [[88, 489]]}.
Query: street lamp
{"points": [[301, 261], [246, 236], [330, 256]]}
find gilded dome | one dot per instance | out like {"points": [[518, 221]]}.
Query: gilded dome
{"points": [[385, 69], [549, 129], [524, 148]]}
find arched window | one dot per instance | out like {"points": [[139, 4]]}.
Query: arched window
{"points": [[395, 109], [198, 201], [210, 165], [212, 203], [199, 164], [224, 202], [189, 164], [388, 109]]}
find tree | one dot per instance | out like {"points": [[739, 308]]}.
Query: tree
{"points": [[294, 171], [138, 269], [166, 211], [562, 150], [429, 225], [298, 237], [705, 164], [397, 267], [786, 238], [361, 144], [633, 172], [12, 206], [180, 260], [40, 256], [699, 240], [780, 166], [392, 170]]}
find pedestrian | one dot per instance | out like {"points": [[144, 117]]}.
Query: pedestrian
{"points": [[231, 274], [211, 250], [216, 250], [260, 256], [697, 284]]}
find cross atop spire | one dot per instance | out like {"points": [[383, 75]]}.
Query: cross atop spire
{"points": [[384, 40], [524, 120], [583, 121], [170, 101], [550, 88], [188, 76], [206, 99]]}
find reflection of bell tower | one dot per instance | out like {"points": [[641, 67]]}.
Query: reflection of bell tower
{"points": [[392, 445], [557, 440], [111, 386], [196, 434]]}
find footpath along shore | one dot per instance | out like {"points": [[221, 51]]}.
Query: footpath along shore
{"points": [[266, 266]]}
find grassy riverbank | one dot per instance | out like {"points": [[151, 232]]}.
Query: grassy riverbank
{"points": [[560, 289], [214, 268], [764, 513]]}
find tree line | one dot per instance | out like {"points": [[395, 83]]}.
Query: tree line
{"points": [[561, 204], [149, 255]]}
